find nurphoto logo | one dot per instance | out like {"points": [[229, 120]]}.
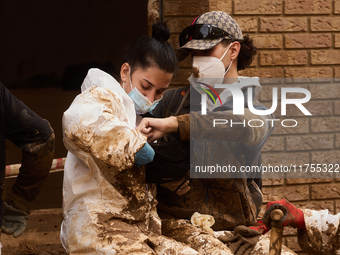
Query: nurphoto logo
{"points": [[238, 104]]}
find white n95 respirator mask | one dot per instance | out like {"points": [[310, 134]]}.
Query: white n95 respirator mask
{"points": [[210, 69]]}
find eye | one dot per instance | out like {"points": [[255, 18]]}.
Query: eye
{"points": [[145, 87]]}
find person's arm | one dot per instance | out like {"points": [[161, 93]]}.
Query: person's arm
{"points": [[96, 123], [35, 137], [202, 127], [225, 125], [317, 230], [321, 233]]}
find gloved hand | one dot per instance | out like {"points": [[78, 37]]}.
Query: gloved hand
{"points": [[243, 241], [260, 227], [144, 155], [293, 215], [14, 221]]}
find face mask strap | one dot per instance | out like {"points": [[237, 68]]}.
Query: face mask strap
{"points": [[226, 51], [228, 67]]}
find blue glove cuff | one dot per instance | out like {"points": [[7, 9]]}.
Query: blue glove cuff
{"points": [[144, 155]]}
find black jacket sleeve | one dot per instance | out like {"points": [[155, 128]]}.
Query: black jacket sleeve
{"points": [[35, 137]]}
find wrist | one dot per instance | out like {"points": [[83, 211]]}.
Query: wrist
{"points": [[301, 221], [173, 124]]}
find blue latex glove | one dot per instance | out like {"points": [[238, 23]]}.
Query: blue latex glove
{"points": [[144, 155], [14, 221]]}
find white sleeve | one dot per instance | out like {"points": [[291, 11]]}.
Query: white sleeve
{"points": [[97, 123], [321, 229]]}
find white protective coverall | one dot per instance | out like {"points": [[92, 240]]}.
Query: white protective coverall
{"points": [[322, 232], [108, 208]]}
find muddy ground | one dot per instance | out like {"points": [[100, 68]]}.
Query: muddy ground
{"points": [[42, 235]]}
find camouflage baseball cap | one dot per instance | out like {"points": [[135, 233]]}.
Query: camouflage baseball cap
{"points": [[218, 19]]}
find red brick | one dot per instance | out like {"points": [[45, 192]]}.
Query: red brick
{"points": [[337, 72], [309, 142], [325, 24], [177, 24], [325, 91], [305, 180], [272, 182], [327, 157], [283, 24], [274, 143], [337, 40], [292, 193], [247, 24], [220, 5], [301, 128], [275, 58], [263, 72], [337, 107], [285, 159], [337, 206], [263, 7], [336, 7], [316, 108], [267, 91], [185, 8], [337, 141], [325, 191], [316, 205], [268, 41], [325, 57], [308, 41], [254, 62], [309, 72], [173, 40], [330, 124], [308, 7]]}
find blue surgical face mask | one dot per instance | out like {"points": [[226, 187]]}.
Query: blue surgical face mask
{"points": [[142, 103]]}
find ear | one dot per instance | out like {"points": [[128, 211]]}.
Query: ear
{"points": [[125, 72], [235, 50]]}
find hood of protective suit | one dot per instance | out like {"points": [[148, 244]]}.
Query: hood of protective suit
{"points": [[226, 96], [97, 77]]}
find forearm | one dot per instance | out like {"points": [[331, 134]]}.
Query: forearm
{"points": [[226, 126], [319, 224], [35, 137], [184, 126], [36, 165]]}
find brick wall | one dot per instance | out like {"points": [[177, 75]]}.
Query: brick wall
{"points": [[295, 39]]}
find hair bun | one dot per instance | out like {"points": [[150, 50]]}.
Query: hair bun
{"points": [[160, 32]]}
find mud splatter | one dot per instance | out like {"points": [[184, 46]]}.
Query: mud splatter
{"points": [[195, 71]]}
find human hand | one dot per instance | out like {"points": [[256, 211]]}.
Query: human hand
{"points": [[156, 128], [176, 186], [144, 155], [293, 215], [243, 241], [14, 221]]}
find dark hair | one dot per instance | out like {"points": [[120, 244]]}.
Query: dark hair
{"points": [[148, 51], [246, 54]]}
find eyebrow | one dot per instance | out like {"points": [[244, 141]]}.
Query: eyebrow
{"points": [[149, 82]]}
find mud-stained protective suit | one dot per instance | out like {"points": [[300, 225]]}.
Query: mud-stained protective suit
{"points": [[108, 207], [322, 232]]}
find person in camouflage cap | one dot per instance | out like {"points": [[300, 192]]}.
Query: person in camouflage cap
{"points": [[217, 47]]}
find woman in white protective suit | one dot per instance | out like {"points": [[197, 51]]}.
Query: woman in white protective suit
{"points": [[108, 207]]}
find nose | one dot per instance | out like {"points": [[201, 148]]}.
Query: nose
{"points": [[151, 95]]}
